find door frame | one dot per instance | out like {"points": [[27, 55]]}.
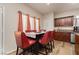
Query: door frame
{"points": [[3, 28]]}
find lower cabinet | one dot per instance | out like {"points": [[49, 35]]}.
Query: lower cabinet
{"points": [[62, 36], [77, 49], [77, 44]]}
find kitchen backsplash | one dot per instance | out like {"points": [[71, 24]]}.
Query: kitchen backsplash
{"points": [[63, 28]]}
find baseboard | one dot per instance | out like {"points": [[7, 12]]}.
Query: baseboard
{"points": [[9, 52]]}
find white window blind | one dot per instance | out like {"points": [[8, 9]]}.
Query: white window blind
{"points": [[32, 23], [37, 25], [24, 18]]}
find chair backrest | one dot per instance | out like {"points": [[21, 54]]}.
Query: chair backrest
{"points": [[18, 39], [45, 38], [52, 35], [21, 40]]}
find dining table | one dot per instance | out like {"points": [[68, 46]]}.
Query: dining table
{"points": [[35, 36]]}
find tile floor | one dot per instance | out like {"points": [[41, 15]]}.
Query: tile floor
{"points": [[60, 49]]}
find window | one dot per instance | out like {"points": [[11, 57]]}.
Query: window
{"points": [[32, 23], [24, 18], [37, 25]]}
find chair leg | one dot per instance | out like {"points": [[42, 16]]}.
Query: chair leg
{"points": [[53, 44], [24, 51], [17, 51], [49, 46], [46, 50]]}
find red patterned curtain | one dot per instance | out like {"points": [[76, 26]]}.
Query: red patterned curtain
{"points": [[28, 22], [20, 25]]}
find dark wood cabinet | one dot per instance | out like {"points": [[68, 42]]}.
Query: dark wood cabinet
{"points": [[77, 49], [65, 21], [77, 44], [62, 36]]}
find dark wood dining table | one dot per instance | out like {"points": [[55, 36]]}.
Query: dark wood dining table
{"points": [[35, 36]]}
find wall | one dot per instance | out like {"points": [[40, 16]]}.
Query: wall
{"points": [[74, 12], [11, 23], [48, 21]]}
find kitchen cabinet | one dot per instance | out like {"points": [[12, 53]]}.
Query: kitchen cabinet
{"points": [[62, 36], [65, 21], [77, 44], [77, 49]]}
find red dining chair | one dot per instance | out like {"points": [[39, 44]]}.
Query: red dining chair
{"points": [[23, 42], [44, 41], [51, 40]]}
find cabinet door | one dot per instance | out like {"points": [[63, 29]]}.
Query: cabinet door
{"points": [[77, 39], [55, 34], [58, 36], [57, 22], [62, 22], [69, 21], [77, 49], [66, 21], [67, 38]]}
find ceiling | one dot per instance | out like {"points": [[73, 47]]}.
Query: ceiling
{"points": [[44, 8]]}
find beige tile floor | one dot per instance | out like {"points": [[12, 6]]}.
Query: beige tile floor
{"points": [[60, 49]]}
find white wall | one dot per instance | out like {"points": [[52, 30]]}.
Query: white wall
{"points": [[11, 23], [48, 21], [74, 12]]}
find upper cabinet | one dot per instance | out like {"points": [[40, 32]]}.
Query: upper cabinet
{"points": [[64, 21]]}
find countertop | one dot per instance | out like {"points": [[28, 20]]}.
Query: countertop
{"points": [[76, 32], [63, 31]]}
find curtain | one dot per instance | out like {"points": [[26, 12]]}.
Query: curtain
{"points": [[20, 25], [28, 22]]}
